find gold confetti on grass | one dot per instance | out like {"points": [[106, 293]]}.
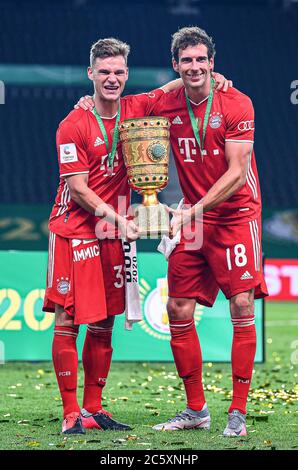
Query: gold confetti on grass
{"points": [[132, 437], [33, 444], [149, 406], [268, 442], [289, 396], [215, 389], [268, 396]]}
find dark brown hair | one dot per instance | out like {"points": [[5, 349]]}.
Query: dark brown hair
{"points": [[191, 36]]}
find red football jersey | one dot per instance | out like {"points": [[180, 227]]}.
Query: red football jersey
{"points": [[231, 119], [81, 149]]}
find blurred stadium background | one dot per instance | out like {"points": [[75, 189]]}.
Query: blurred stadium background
{"points": [[44, 49]]}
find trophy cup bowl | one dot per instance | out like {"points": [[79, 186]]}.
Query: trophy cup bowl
{"points": [[146, 150]]}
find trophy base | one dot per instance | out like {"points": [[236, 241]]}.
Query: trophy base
{"points": [[153, 221]]}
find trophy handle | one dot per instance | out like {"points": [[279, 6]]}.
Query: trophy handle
{"points": [[150, 197]]}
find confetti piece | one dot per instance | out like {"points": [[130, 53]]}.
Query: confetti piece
{"points": [[268, 442], [33, 444], [132, 437]]}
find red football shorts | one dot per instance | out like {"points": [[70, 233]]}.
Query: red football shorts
{"points": [[85, 277], [230, 259]]}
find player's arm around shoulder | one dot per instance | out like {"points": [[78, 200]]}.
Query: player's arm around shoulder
{"points": [[172, 85]]}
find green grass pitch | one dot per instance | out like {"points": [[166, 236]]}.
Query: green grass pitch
{"points": [[145, 394]]}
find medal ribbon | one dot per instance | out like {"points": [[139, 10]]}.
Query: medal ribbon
{"points": [[193, 121], [111, 153]]}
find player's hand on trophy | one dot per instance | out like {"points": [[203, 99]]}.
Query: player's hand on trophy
{"points": [[221, 82], [129, 230], [180, 218], [85, 102]]}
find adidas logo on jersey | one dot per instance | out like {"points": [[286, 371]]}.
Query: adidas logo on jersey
{"points": [[98, 141], [246, 275], [177, 120]]}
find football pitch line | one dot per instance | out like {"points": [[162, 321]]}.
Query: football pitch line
{"points": [[281, 323]]}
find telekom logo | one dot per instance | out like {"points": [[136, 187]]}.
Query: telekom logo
{"points": [[104, 163], [187, 147]]}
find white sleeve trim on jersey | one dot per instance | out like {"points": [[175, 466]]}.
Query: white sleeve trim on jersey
{"points": [[74, 173], [238, 140]]}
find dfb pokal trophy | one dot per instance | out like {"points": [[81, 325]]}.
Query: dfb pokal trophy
{"points": [[146, 150]]}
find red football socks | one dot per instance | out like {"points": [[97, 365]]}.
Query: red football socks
{"points": [[97, 356], [243, 354], [65, 360], [188, 359]]}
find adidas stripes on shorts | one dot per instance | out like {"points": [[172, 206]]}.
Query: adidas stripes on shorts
{"points": [[229, 259]]}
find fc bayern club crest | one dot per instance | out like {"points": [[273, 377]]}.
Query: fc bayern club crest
{"points": [[215, 120], [63, 285]]}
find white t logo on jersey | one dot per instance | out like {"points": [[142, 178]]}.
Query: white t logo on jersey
{"points": [[104, 163], [187, 147]]}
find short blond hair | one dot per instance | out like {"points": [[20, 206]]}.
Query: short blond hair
{"points": [[191, 36], [108, 47]]}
